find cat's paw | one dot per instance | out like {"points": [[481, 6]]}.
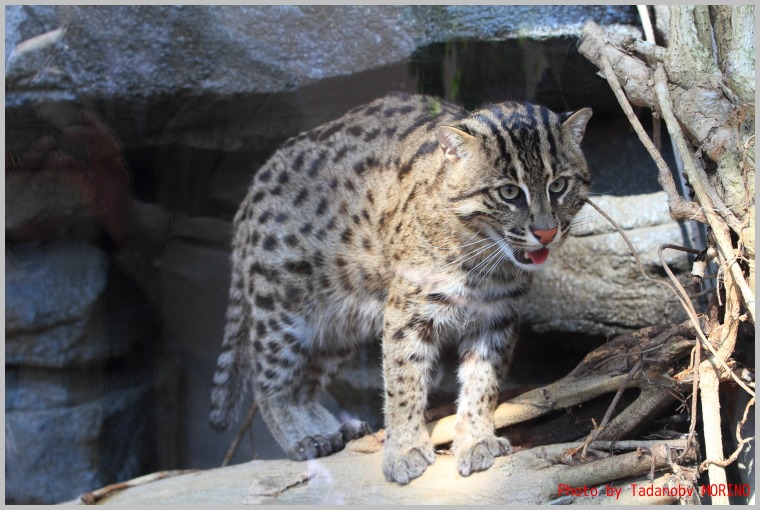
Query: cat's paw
{"points": [[403, 466], [479, 455], [353, 429], [349, 431], [311, 447]]}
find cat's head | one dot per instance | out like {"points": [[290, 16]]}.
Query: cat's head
{"points": [[516, 174]]}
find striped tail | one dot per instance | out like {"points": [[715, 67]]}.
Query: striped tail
{"points": [[232, 367]]}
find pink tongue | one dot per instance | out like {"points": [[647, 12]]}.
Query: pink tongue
{"points": [[538, 256]]}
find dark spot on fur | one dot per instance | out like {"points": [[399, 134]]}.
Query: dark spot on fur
{"points": [[301, 196], [297, 163], [371, 135], [362, 166], [316, 164], [302, 267], [270, 243], [405, 169], [265, 176], [261, 328], [321, 207], [341, 153], [264, 302], [439, 298], [327, 133]]}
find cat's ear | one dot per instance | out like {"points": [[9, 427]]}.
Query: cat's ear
{"points": [[575, 123], [454, 142]]}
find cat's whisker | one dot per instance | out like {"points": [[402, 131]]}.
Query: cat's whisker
{"points": [[468, 255], [474, 255], [471, 244], [486, 260], [489, 271]]}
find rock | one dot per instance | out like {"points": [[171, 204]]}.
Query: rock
{"points": [[56, 311], [527, 477], [68, 431], [595, 266], [127, 51], [46, 195]]}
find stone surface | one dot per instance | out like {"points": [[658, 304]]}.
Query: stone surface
{"points": [[145, 51], [55, 315], [592, 284], [69, 431]]}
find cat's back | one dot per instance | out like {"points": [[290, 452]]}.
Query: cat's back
{"points": [[323, 180], [380, 135]]}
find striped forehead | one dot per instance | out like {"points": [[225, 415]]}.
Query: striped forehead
{"points": [[522, 138]]}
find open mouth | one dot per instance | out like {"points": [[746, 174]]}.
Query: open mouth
{"points": [[533, 257]]}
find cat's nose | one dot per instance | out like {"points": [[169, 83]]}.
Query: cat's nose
{"points": [[545, 236]]}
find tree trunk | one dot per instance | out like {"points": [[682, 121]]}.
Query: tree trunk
{"points": [[703, 86]]}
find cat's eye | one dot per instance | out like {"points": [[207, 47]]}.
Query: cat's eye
{"points": [[509, 192], [558, 185]]}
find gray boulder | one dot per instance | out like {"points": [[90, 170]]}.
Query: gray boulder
{"points": [[54, 310], [153, 51], [70, 431]]}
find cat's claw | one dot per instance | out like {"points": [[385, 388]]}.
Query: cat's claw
{"points": [[311, 447], [349, 431], [480, 455], [402, 468]]}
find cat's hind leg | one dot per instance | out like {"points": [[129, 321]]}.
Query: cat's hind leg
{"points": [[289, 377]]}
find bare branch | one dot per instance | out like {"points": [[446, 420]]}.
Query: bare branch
{"points": [[239, 436], [706, 197], [708, 388], [646, 23], [679, 209]]}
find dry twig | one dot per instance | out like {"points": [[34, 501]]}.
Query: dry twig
{"points": [[239, 436], [91, 498]]}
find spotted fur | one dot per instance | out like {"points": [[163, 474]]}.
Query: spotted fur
{"points": [[409, 220]]}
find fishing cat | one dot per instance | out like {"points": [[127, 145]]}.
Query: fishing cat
{"points": [[409, 220]]}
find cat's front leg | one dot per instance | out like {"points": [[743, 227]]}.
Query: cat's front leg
{"points": [[483, 361], [409, 351]]}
